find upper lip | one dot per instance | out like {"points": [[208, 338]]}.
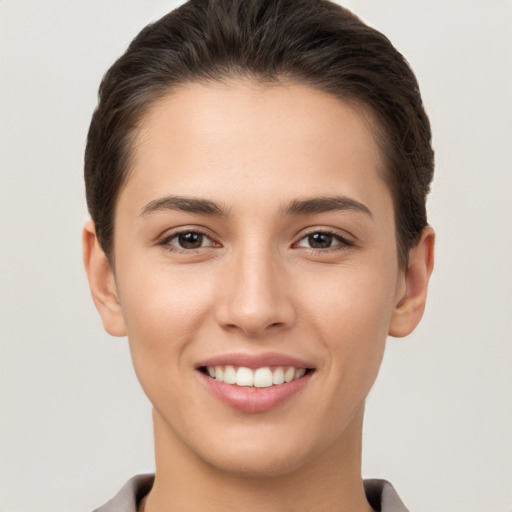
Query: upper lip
{"points": [[255, 360]]}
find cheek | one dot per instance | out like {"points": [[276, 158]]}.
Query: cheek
{"points": [[160, 297], [163, 310], [352, 312], [351, 321], [352, 302]]}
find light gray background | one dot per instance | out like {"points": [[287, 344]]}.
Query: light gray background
{"points": [[74, 424]]}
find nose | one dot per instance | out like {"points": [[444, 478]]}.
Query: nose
{"points": [[254, 295]]}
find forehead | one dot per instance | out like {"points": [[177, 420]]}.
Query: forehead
{"points": [[231, 108], [254, 137]]}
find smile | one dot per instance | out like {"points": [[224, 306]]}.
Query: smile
{"points": [[255, 383], [263, 377]]}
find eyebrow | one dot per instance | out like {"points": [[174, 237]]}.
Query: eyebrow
{"points": [[297, 207], [325, 204], [184, 204]]}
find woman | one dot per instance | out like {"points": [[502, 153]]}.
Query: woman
{"points": [[256, 175]]}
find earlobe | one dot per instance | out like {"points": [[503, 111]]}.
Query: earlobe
{"points": [[411, 304], [102, 282]]}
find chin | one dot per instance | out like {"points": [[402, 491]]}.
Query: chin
{"points": [[258, 463], [262, 454]]}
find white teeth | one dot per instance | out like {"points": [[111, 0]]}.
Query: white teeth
{"points": [[299, 373], [263, 378], [260, 378], [230, 375], [278, 376], [289, 374], [244, 377]]}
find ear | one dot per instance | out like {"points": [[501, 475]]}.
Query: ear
{"points": [[411, 303], [102, 282]]}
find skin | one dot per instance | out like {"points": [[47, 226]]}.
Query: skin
{"points": [[256, 285]]}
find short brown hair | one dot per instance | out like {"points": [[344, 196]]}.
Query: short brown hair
{"points": [[311, 42]]}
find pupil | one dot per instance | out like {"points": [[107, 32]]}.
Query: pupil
{"points": [[190, 240], [320, 240]]}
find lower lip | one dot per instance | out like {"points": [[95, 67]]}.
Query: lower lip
{"points": [[251, 399]]}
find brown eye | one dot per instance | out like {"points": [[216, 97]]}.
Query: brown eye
{"points": [[188, 240], [320, 240]]}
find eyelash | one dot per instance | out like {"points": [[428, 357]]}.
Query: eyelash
{"points": [[342, 242], [166, 240]]}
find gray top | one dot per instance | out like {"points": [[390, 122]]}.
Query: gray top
{"points": [[380, 494]]}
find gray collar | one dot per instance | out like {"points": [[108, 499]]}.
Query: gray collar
{"points": [[380, 494]]}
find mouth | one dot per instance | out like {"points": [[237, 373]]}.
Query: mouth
{"points": [[255, 383], [262, 377]]}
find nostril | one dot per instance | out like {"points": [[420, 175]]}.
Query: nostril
{"points": [[253, 313]]}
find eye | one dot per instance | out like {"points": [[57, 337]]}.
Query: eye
{"points": [[188, 240], [323, 240]]}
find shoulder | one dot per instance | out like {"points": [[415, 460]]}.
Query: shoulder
{"points": [[382, 496], [128, 498]]}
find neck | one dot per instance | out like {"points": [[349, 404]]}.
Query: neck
{"points": [[330, 482]]}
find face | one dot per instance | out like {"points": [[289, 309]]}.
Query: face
{"points": [[256, 272]]}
